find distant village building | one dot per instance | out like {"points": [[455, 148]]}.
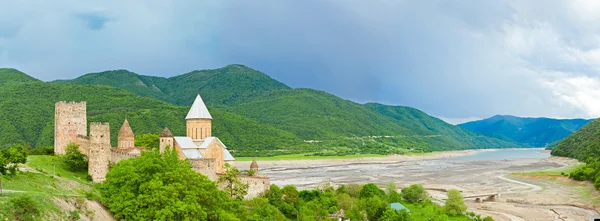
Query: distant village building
{"points": [[206, 154]]}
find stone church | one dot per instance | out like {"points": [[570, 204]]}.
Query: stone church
{"points": [[206, 154]]}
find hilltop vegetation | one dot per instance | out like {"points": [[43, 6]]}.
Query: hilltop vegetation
{"points": [[10, 76], [534, 132]]}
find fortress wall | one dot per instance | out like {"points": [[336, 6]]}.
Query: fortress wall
{"points": [[256, 185], [116, 156]]}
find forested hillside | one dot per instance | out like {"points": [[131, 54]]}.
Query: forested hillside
{"points": [[535, 132], [27, 116], [9, 76], [583, 144], [253, 114]]}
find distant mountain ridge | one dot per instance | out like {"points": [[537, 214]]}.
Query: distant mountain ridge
{"points": [[535, 132], [11, 76], [255, 114]]}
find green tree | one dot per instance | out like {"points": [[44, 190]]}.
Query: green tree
{"points": [[353, 190], [11, 158], [414, 193], [455, 204], [260, 209], [392, 215], [149, 141], [74, 159], [392, 193], [374, 206], [290, 195], [371, 190], [232, 183], [162, 187], [24, 208]]}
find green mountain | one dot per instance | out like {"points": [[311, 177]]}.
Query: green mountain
{"points": [[220, 86], [329, 121], [10, 76], [583, 144], [27, 116], [535, 132], [431, 126]]}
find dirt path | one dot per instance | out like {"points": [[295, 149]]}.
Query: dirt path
{"points": [[534, 188]]}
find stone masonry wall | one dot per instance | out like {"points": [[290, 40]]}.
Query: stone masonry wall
{"points": [[70, 120], [215, 151], [198, 129], [99, 151], [205, 166], [256, 185], [116, 156]]}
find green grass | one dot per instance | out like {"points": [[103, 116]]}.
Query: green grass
{"points": [[551, 172], [42, 186], [422, 212]]}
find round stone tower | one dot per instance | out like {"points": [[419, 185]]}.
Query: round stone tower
{"points": [[254, 167], [198, 121]]}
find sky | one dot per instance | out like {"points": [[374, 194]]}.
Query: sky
{"points": [[458, 60]]}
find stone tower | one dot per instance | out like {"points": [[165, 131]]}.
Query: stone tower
{"points": [[166, 139], [198, 121], [126, 137], [69, 121], [99, 151], [254, 166]]}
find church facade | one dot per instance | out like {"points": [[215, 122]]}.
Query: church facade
{"points": [[207, 154]]}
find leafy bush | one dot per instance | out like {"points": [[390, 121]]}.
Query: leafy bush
{"points": [[24, 208], [455, 204], [11, 158], [414, 193], [74, 159]]}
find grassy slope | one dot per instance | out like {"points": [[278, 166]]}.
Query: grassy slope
{"points": [[583, 144], [42, 187], [537, 132]]}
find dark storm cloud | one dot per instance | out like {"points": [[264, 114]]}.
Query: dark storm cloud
{"points": [[93, 20], [454, 59]]}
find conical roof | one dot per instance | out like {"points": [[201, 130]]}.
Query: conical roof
{"points": [[254, 165], [126, 130], [198, 110], [166, 133]]}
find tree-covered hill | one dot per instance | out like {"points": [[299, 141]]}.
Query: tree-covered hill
{"points": [[425, 124], [10, 76], [27, 116], [583, 144], [254, 114], [219, 86], [536, 132]]}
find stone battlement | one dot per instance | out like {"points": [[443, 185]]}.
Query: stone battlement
{"points": [[96, 124]]}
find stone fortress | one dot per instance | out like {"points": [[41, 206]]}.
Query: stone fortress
{"points": [[206, 154]]}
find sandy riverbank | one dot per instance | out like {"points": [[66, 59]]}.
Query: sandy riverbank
{"points": [[390, 158], [520, 198]]}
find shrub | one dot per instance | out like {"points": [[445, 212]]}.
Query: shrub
{"points": [[74, 159], [414, 193], [23, 208], [455, 204]]}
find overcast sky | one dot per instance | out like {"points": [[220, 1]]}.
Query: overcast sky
{"points": [[457, 60]]}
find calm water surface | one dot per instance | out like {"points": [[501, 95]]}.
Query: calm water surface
{"points": [[536, 153]]}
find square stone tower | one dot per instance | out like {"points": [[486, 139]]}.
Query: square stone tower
{"points": [[70, 120], [99, 151]]}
